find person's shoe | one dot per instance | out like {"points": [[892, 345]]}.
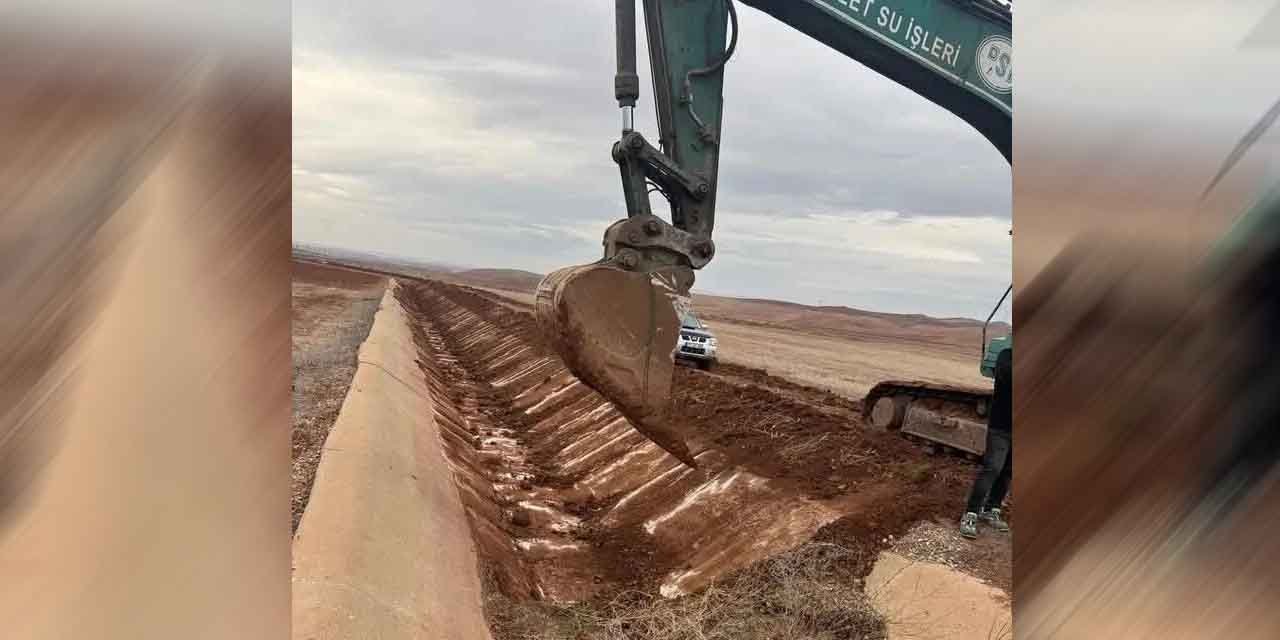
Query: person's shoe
{"points": [[994, 518], [969, 525]]}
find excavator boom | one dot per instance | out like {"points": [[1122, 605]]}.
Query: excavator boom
{"points": [[957, 54], [612, 321]]}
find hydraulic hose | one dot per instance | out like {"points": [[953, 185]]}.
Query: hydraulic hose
{"points": [[713, 68]]}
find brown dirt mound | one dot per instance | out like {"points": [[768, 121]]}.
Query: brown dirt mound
{"points": [[826, 400]]}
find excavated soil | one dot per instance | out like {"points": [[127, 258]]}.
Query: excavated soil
{"points": [[568, 502], [828, 401]]}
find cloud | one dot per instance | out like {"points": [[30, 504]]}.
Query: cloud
{"points": [[243, 25], [479, 134]]}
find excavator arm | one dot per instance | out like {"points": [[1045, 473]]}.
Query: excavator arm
{"points": [[957, 54], [612, 321]]}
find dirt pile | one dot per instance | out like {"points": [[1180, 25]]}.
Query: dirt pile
{"points": [[568, 501], [829, 401]]}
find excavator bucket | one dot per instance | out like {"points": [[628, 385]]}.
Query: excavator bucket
{"points": [[616, 331]]}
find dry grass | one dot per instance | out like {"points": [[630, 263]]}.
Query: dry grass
{"points": [[799, 594], [329, 324]]}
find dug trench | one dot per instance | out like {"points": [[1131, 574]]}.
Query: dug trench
{"points": [[567, 502]]}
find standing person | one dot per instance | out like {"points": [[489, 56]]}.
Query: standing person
{"points": [[1249, 440], [992, 483]]}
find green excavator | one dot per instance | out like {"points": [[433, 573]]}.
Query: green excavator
{"points": [[612, 321], [951, 417]]}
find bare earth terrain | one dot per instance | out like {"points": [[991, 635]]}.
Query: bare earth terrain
{"points": [[582, 526], [332, 311], [838, 349]]}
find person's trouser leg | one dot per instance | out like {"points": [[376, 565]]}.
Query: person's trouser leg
{"points": [[1000, 488], [993, 462], [1253, 454], [1251, 382]]}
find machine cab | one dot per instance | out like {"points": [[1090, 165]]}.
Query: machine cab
{"points": [[988, 366]]}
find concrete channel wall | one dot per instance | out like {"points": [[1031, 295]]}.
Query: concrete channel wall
{"points": [[384, 549]]}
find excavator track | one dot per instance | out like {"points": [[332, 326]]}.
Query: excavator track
{"points": [[952, 417]]}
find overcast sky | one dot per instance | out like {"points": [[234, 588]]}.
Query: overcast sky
{"points": [[478, 134]]}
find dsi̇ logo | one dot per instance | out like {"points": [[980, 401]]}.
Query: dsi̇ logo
{"points": [[995, 63]]}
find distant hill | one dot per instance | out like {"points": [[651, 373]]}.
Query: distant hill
{"points": [[505, 279], [842, 321], [899, 319], [955, 334], [520, 281], [320, 253]]}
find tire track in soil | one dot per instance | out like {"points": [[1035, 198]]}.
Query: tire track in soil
{"points": [[567, 501]]}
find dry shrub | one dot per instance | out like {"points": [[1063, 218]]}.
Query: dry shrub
{"points": [[796, 595]]}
